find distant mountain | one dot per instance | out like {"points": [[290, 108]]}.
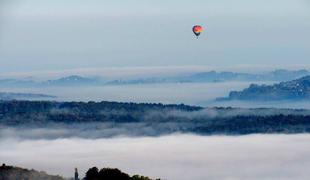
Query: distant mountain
{"points": [[16, 83], [202, 77], [23, 96], [152, 80], [213, 76], [73, 81], [285, 75], [16, 173], [277, 75], [298, 89]]}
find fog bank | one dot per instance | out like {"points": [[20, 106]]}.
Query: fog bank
{"points": [[177, 157]]}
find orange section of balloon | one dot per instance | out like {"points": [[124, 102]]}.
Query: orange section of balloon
{"points": [[197, 30]]}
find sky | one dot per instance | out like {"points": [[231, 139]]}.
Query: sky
{"points": [[55, 35]]}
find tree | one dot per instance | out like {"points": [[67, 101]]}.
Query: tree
{"points": [[137, 177], [92, 174], [110, 174]]}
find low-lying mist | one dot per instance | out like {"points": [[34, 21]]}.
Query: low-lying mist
{"points": [[175, 157], [161, 122], [201, 94], [174, 93]]}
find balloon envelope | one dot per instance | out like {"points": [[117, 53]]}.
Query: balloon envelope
{"points": [[197, 30]]}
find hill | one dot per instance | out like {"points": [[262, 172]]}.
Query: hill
{"points": [[16, 173], [298, 89]]}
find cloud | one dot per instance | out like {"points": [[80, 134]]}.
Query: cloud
{"points": [[177, 157]]}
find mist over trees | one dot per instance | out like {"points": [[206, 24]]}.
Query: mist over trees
{"points": [[108, 119], [16, 173]]}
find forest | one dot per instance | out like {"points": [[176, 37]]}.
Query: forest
{"points": [[105, 119]]}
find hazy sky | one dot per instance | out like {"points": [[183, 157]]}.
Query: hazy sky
{"points": [[38, 35]]}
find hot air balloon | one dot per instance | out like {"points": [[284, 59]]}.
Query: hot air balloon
{"points": [[197, 30]]}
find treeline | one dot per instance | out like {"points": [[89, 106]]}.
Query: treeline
{"points": [[241, 125], [111, 174], [41, 112], [113, 118]]}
